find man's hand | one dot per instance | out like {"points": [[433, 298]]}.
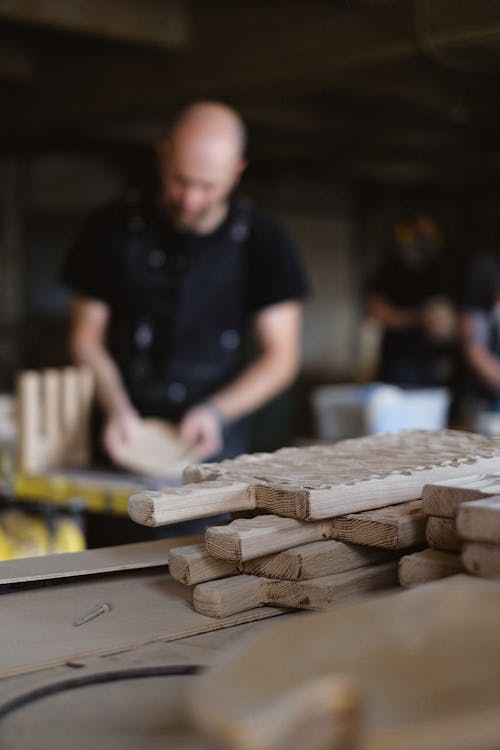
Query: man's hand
{"points": [[121, 427], [201, 431]]}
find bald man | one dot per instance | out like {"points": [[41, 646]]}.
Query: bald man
{"points": [[165, 291]]}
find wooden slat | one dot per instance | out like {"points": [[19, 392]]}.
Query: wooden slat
{"points": [[315, 560], [192, 564], [232, 595], [394, 527], [248, 538], [444, 498], [482, 559], [427, 565], [441, 533], [480, 520]]}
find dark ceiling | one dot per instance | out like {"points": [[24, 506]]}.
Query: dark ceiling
{"points": [[388, 90]]}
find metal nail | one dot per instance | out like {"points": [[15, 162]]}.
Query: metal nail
{"points": [[98, 610]]}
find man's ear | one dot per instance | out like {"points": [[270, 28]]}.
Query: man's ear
{"points": [[240, 168]]}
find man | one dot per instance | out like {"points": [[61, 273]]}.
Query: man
{"points": [[164, 293]]}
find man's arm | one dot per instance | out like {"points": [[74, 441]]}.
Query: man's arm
{"points": [[90, 319], [278, 333], [485, 363]]}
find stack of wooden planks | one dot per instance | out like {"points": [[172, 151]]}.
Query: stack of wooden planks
{"points": [[332, 520], [463, 530]]}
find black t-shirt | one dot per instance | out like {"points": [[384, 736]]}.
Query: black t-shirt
{"points": [[180, 303]]}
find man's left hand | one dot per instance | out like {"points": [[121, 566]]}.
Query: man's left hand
{"points": [[201, 431]]}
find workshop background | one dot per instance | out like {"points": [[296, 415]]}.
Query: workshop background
{"points": [[357, 111]]}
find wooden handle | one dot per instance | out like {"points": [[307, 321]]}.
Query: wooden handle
{"points": [[190, 501]]}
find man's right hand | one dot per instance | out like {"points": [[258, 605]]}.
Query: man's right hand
{"points": [[122, 427]]}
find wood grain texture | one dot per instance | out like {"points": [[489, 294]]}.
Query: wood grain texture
{"points": [[388, 646], [445, 498], [481, 559], [159, 508], [249, 538], [441, 533], [394, 527], [479, 521], [192, 564], [315, 560], [428, 565], [229, 596]]}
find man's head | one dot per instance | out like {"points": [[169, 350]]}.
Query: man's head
{"points": [[201, 161]]}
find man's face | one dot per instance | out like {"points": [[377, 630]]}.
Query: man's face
{"points": [[197, 176]]}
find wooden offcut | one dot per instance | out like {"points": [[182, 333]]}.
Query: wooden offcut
{"points": [[428, 565], [444, 498], [192, 564], [229, 596], [322, 482], [441, 533], [248, 538], [479, 521], [156, 450], [394, 527], [482, 559]]}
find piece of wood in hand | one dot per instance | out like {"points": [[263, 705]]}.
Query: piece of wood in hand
{"points": [[444, 498], [479, 521], [428, 565], [316, 560], [192, 564], [393, 527], [441, 533], [248, 538], [156, 450], [232, 595], [481, 559]]}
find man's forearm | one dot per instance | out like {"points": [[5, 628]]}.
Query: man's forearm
{"points": [[485, 364], [110, 390]]}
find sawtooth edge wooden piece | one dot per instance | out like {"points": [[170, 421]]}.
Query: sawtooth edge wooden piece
{"points": [[322, 482], [192, 564], [428, 565], [393, 527]]}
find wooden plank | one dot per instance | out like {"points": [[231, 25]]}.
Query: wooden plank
{"points": [[321, 482], [441, 533], [481, 559], [315, 560], [248, 538], [444, 498], [192, 564], [387, 646], [145, 608], [428, 565], [229, 596], [159, 508], [394, 527], [90, 562], [479, 521]]}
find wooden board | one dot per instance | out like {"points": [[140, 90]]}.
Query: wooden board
{"points": [[441, 533], [315, 560], [327, 481], [192, 564], [249, 538], [427, 565], [156, 450], [481, 559], [416, 670], [91, 562], [445, 498], [229, 596], [479, 521], [394, 527], [38, 631]]}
